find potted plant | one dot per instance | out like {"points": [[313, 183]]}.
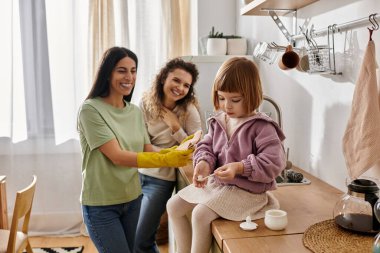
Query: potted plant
{"points": [[216, 43]]}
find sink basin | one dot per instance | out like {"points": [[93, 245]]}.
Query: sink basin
{"points": [[282, 182]]}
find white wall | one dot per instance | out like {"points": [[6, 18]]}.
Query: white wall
{"points": [[218, 13], [315, 107]]}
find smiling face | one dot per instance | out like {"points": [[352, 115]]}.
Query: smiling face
{"points": [[232, 103], [176, 86], [123, 77]]}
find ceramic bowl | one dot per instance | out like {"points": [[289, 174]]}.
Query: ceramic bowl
{"points": [[276, 219]]}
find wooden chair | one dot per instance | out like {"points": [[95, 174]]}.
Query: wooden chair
{"points": [[3, 204], [12, 241]]}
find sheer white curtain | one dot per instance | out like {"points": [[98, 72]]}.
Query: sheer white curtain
{"points": [[102, 31], [80, 31], [156, 34], [148, 39], [12, 96], [155, 30], [67, 33], [27, 144], [177, 20]]}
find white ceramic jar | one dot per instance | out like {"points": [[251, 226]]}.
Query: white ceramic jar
{"points": [[276, 219], [237, 46], [216, 46]]}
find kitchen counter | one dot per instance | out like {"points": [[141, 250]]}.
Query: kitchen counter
{"points": [[266, 244], [305, 205]]}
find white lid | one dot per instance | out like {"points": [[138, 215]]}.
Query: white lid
{"points": [[248, 225]]}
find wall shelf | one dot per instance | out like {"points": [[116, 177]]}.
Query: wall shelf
{"points": [[212, 58], [258, 7]]}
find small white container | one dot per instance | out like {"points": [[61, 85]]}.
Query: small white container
{"points": [[237, 46], [216, 46], [276, 219]]}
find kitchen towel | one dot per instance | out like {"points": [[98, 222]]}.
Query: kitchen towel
{"points": [[361, 140]]}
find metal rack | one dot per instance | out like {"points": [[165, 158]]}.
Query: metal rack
{"points": [[342, 27], [371, 19], [321, 58]]}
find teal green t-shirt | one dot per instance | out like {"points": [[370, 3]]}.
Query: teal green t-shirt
{"points": [[104, 183]]}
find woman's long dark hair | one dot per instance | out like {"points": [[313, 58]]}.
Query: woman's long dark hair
{"points": [[101, 86]]}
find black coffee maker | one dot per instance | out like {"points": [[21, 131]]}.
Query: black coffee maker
{"points": [[355, 210]]}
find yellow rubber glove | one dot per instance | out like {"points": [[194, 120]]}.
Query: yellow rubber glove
{"points": [[167, 150], [175, 158], [187, 138]]}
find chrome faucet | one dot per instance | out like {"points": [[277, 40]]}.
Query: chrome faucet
{"points": [[277, 108], [279, 122], [283, 178]]}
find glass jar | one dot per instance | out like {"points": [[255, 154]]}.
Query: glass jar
{"points": [[354, 211]]}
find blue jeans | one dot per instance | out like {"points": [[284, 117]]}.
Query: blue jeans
{"points": [[113, 228], [156, 194]]}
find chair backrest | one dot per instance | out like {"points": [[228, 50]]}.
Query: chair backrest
{"points": [[22, 209]]}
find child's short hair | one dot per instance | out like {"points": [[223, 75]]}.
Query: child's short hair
{"points": [[240, 75]]}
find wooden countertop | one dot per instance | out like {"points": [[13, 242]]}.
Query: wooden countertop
{"points": [[266, 244], [305, 205]]}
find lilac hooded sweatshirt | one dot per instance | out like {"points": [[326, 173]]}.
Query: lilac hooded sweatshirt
{"points": [[257, 143]]}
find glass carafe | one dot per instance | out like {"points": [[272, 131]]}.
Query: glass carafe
{"points": [[355, 210], [376, 244]]}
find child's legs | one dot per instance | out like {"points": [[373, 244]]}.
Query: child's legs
{"points": [[177, 209], [201, 219]]}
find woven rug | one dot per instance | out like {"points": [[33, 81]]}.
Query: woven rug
{"points": [[59, 250], [326, 237]]}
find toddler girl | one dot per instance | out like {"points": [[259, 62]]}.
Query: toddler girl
{"points": [[242, 149]]}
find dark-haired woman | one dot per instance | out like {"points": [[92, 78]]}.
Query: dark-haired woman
{"points": [[171, 115], [114, 143]]}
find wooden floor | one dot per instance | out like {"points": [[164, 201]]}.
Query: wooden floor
{"points": [[73, 242]]}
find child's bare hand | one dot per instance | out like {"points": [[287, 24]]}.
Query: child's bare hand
{"points": [[201, 169], [229, 171]]}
